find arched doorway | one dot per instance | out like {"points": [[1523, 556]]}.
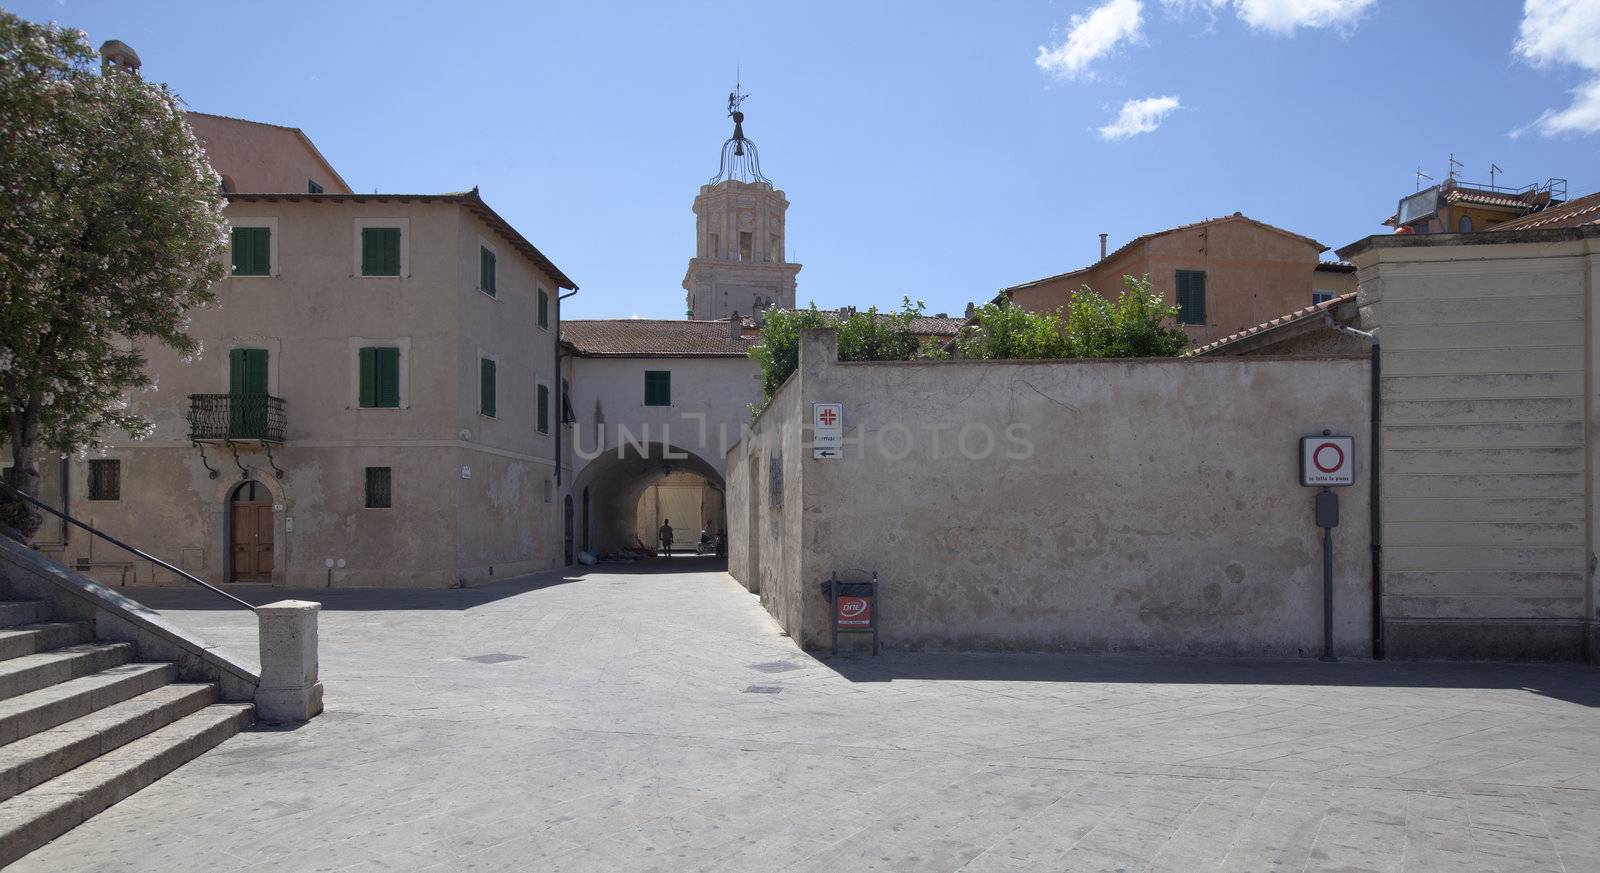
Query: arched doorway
{"points": [[637, 488], [250, 533]]}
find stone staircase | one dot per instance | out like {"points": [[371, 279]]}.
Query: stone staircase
{"points": [[84, 724]]}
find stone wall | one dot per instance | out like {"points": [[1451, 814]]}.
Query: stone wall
{"points": [[1130, 506]]}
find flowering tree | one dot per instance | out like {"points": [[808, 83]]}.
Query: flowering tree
{"points": [[111, 230]]}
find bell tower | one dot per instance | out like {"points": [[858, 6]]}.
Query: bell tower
{"points": [[738, 264]]}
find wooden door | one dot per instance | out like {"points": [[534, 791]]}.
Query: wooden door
{"points": [[252, 542]]}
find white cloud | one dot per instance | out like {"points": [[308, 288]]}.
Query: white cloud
{"points": [[1564, 32], [1283, 17], [1092, 36], [1139, 116]]}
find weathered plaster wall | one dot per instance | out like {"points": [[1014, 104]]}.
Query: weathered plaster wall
{"points": [[1488, 393], [312, 317], [1158, 509]]}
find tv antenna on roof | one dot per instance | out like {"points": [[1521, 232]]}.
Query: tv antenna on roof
{"points": [[1493, 169], [1420, 176], [1451, 176]]}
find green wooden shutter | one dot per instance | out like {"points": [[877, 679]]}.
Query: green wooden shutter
{"points": [[657, 388], [263, 251], [236, 373], [380, 251], [391, 251], [387, 387], [369, 251], [486, 271], [1191, 296], [369, 377], [544, 309], [544, 408], [486, 387]]}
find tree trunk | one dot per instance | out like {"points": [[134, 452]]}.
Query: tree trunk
{"points": [[18, 519]]}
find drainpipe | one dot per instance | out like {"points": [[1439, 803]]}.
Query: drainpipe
{"points": [[1375, 520], [561, 396]]}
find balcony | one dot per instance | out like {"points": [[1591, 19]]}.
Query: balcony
{"points": [[235, 418]]}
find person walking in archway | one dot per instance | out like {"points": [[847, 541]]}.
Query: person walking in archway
{"points": [[666, 538]]}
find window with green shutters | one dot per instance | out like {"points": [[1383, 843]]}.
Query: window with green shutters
{"points": [[544, 408], [486, 387], [486, 271], [105, 480], [544, 309], [566, 404], [252, 251], [1191, 297], [380, 251], [380, 377], [657, 387]]}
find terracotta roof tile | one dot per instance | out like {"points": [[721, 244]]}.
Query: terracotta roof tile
{"points": [[1573, 213], [652, 338], [1311, 311]]}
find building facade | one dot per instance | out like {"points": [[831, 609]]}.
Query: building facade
{"points": [[374, 406], [1224, 275]]}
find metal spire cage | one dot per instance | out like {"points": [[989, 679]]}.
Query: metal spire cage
{"points": [[740, 161]]}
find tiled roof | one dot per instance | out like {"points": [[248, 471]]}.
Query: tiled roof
{"points": [[1335, 267], [1237, 216], [1573, 213], [922, 325], [651, 338], [1313, 311], [468, 199], [1485, 198]]}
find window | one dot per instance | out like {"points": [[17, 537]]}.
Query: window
{"points": [[1465, 225], [1321, 297], [714, 245], [486, 387], [544, 408], [657, 387], [747, 244], [252, 251], [312, 187], [380, 493], [566, 404], [105, 480], [544, 310], [380, 377], [1191, 297], [486, 270], [380, 251]]}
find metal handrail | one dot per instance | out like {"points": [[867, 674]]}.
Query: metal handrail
{"points": [[122, 545]]}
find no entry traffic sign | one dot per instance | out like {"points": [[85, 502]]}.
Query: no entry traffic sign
{"points": [[1327, 461]]}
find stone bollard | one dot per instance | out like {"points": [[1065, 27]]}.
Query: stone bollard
{"points": [[289, 689]]}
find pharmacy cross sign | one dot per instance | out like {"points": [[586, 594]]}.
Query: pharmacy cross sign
{"points": [[827, 417]]}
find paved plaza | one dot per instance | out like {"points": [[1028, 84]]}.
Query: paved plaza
{"points": [[645, 720]]}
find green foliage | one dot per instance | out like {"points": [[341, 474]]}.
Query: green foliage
{"points": [[111, 231], [863, 336], [1135, 325]]}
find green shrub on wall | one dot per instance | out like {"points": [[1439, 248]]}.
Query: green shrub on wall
{"points": [[1136, 325], [863, 336]]}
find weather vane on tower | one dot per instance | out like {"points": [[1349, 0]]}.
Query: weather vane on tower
{"points": [[736, 96]]}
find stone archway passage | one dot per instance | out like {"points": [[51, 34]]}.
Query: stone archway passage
{"points": [[630, 491]]}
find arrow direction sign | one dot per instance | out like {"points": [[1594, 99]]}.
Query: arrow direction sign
{"points": [[819, 454]]}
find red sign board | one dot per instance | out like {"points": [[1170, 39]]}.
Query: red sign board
{"points": [[852, 611]]}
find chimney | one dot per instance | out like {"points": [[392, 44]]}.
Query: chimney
{"points": [[116, 53], [735, 325], [972, 309], [1102, 246]]}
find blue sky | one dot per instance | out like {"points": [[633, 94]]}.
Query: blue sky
{"points": [[931, 149]]}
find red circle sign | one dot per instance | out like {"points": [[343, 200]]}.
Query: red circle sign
{"points": [[1338, 456]]}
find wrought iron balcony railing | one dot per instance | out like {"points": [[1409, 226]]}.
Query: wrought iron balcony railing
{"points": [[221, 417]]}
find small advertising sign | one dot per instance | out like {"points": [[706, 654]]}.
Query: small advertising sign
{"points": [[853, 611], [1327, 461]]}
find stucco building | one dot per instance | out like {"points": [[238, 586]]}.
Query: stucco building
{"points": [[1224, 275], [255, 156], [375, 404]]}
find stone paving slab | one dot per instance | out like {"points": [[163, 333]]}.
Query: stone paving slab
{"points": [[619, 735]]}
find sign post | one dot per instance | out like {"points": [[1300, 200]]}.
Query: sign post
{"points": [[1327, 462]]}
